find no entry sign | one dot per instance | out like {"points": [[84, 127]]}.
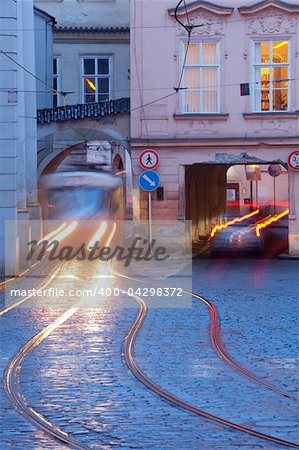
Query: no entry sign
{"points": [[293, 160], [274, 170], [149, 159]]}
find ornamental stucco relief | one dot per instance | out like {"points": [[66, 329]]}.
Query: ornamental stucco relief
{"points": [[211, 25], [194, 128], [270, 125], [272, 22]]}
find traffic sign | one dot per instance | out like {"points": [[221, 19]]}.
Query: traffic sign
{"points": [[149, 180], [149, 159], [274, 170], [293, 160]]}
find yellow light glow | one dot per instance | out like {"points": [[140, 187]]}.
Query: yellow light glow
{"points": [[265, 223], [97, 236], [281, 44], [231, 222], [90, 84]]}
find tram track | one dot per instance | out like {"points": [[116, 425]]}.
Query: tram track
{"points": [[12, 383], [216, 339], [20, 301], [128, 354], [14, 391]]}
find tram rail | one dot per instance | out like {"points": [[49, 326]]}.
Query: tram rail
{"points": [[128, 354], [14, 391], [217, 343]]}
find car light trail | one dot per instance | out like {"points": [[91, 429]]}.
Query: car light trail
{"points": [[231, 222], [65, 232], [110, 237], [265, 223], [97, 236], [52, 233]]}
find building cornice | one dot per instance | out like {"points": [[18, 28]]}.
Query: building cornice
{"points": [[265, 4], [92, 35], [233, 142], [113, 30], [201, 5]]}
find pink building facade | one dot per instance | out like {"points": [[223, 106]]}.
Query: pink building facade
{"points": [[187, 105]]}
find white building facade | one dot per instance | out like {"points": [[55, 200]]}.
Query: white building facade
{"points": [[18, 153]]}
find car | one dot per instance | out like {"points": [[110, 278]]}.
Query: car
{"points": [[237, 236]]}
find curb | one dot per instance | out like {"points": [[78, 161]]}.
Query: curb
{"points": [[288, 256]]}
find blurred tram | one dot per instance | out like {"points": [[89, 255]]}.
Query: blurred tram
{"points": [[82, 195]]}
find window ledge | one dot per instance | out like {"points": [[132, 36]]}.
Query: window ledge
{"points": [[271, 115], [216, 116]]}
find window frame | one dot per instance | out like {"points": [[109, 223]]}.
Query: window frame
{"points": [[57, 76], [97, 76], [255, 65], [200, 66]]}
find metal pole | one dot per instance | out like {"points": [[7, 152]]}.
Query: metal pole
{"points": [[256, 193], [274, 193], [150, 217]]}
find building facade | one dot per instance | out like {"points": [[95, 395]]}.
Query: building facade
{"points": [[221, 92], [18, 93], [91, 64]]}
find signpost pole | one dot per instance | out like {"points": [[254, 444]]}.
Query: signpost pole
{"points": [[150, 231], [274, 192]]}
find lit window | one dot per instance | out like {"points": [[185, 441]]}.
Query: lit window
{"points": [[201, 78], [96, 79], [56, 81], [271, 76]]}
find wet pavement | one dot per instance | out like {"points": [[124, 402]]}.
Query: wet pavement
{"points": [[78, 380]]}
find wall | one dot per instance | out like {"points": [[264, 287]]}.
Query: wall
{"points": [[18, 193], [8, 118], [70, 58], [236, 174], [162, 119], [43, 54], [235, 135], [106, 13]]}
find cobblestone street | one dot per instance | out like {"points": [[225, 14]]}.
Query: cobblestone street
{"points": [[77, 379]]}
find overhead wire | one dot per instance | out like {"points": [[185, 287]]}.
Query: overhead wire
{"points": [[189, 27], [29, 72]]}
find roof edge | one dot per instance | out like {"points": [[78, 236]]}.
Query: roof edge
{"points": [[44, 13], [69, 29], [201, 4], [264, 4]]}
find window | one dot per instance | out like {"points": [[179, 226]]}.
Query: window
{"points": [[201, 78], [56, 81], [96, 79], [271, 73]]}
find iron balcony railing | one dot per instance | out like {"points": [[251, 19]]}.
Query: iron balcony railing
{"points": [[75, 112]]}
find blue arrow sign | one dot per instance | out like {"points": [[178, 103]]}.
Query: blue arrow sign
{"points": [[149, 180]]}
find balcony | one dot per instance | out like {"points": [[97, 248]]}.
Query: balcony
{"points": [[82, 111]]}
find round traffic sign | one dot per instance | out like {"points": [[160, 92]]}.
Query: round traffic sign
{"points": [[293, 160], [274, 170], [149, 159], [149, 180]]}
